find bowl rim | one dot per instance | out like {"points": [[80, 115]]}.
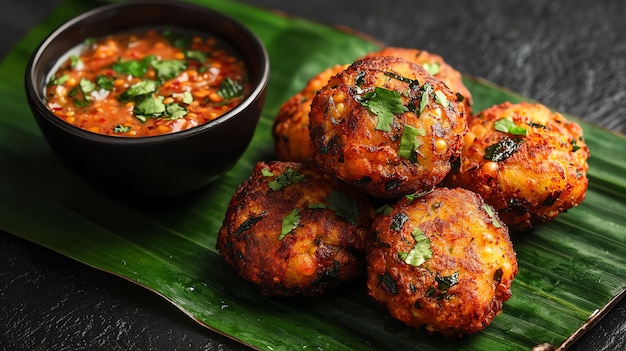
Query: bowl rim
{"points": [[37, 97]]}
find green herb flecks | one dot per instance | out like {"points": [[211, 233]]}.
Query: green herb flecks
{"points": [[121, 129], [492, 215], [75, 61], [248, 223], [196, 55], [575, 146], [168, 69], [445, 283], [441, 98], [187, 98], [105, 82], [288, 177], [426, 91], [507, 125], [266, 172], [150, 107], [136, 68], [409, 143], [432, 67], [414, 196], [141, 88], [413, 83], [420, 252], [60, 79], [290, 222], [86, 86], [175, 111], [503, 149], [230, 89], [384, 104]]}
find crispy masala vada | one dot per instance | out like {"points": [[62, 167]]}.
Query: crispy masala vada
{"points": [[436, 66], [291, 125], [526, 161], [387, 127], [295, 232], [443, 262]]}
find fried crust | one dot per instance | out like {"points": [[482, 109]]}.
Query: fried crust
{"points": [[545, 176], [291, 125], [463, 285], [348, 143], [321, 251], [436, 66]]}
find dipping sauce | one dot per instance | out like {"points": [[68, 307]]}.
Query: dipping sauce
{"points": [[147, 83]]}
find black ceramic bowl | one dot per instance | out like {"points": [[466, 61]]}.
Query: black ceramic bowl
{"points": [[168, 164]]}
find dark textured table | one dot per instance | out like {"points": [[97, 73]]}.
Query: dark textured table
{"points": [[569, 55]]}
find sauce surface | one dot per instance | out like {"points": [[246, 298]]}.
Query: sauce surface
{"points": [[146, 84]]}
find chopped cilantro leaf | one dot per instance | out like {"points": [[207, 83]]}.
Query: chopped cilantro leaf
{"points": [[266, 172], [230, 88], [420, 252], [86, 86], [136, 68], [196, 55], [141, 88], [75, 61], [120, 129], [432, 67], [318, 206], [491, 215], [427, 90], [575, 146], [412, 82], [61, 79], [290, 222], [383, 103], [187, 98], [175, 111], [507, 125], [502, 150], [288, 177], [344, 206], [104, 82], [168, 69], [150, 107], [441, 98], [409, 143], [413, 196]]}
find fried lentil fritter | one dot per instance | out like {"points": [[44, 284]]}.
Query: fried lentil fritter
{"points": [[291, 125], [293, 231], [443, 262], [436, 66], [387, 127], [526, 161]]}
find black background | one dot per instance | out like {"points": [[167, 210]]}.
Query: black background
{"points": [[569, 55]]}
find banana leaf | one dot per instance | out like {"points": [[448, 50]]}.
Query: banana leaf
{"points": [[570, 270]]}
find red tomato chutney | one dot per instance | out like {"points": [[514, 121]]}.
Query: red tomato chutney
{"points": [[146, 84]]}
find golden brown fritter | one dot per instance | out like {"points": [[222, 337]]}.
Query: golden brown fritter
{"points": [[293, 231], [526, 161], [291, 125], [436, 66], [443, 262], [387, 127]]}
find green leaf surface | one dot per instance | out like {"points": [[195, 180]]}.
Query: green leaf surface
{"points": [[568, 269]]}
